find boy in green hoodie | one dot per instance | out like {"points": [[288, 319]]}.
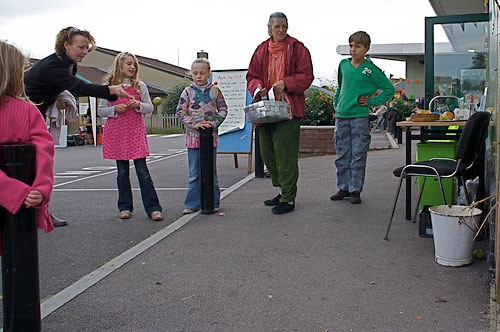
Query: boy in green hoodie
{"points": [[358, 81]]}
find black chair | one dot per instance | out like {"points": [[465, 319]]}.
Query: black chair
{"points": [[467, 153]]}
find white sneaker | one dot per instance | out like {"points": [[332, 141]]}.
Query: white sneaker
{"points": [[187, 211]]}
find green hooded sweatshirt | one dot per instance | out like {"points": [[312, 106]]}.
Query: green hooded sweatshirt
{"points": [[365, 80]]}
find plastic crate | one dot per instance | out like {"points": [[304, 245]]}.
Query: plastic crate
{"points": [[432, 195], [424, 222]]}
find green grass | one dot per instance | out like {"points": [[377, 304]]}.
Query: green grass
{"points": [[165, 131]]}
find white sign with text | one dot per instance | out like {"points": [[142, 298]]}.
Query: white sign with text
{"points": [[233, 85]]}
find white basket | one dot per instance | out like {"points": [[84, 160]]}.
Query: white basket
{"points": [[267, 111]]}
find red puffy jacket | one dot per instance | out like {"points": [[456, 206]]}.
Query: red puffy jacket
{"points": [[298, 72]]}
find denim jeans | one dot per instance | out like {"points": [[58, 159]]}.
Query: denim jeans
{"points": [[148, 192], [193, 196], [352, 141]]}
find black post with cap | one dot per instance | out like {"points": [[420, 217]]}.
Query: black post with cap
{"points": [[20, 276], [259, 163], [207, 170]]}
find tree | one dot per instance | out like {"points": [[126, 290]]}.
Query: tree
{"points": [[172, 99], [405, 108]]}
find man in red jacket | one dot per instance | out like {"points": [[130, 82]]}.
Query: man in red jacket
{"points": [[284, 64]]}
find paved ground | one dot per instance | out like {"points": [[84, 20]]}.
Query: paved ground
{"points": [[325, 266]]}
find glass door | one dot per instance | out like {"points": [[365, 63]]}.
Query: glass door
{"points": [[457, 67]]}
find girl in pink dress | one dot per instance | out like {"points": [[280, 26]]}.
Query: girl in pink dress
{"points": [[124, 136], [22, 123]]}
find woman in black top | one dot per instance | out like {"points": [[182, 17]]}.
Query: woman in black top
{"points": [[56, 73]]}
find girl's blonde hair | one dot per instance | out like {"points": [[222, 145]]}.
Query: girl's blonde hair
{"points": [[115, 75], [67, 34], [12, 63], [200, 60]]}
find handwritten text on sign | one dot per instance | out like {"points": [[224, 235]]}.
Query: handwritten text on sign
{"points": [[233, 85]]}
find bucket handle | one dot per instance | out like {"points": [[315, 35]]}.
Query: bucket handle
{"points": [[461, 221]]}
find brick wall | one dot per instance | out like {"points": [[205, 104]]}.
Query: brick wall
{"points": [[316, 139]]}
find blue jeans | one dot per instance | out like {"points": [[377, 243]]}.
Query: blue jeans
{"points": [[148, 192], [193, 196], [352, 141]]}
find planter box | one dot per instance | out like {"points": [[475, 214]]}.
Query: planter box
{"points": [[317, 139]]}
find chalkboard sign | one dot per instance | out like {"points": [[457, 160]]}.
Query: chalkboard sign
{"points": [[237, 135]]}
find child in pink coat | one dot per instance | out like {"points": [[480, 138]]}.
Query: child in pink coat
{"points": [[22, 123]]}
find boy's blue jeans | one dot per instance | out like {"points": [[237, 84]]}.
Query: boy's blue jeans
{"points": [[352, 141], [193, 196], [148, 192]]}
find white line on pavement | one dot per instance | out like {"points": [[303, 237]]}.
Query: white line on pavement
{"points": [[115, 189], [394, 145], [72, 291], [111, 172], [78, 173]]}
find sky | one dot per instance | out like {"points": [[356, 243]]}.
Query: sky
{"points": [[229, 30]]}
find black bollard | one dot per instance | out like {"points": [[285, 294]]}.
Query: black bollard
{"points": [[399, 130], [20, 279], [207, 170], [259, 163]]}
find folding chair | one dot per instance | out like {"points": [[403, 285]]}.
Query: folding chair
{"points": [[377, 123], [467, 153]]}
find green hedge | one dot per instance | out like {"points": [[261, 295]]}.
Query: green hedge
{"points": [[318, 110]]}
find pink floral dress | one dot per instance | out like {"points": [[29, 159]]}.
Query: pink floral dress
{"points": [[124, 137]]}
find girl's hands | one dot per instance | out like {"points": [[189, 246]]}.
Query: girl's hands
{"points": [[204, 124], [33, 199], [132, 103], [120, 108]]}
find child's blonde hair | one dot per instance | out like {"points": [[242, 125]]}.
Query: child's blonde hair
{"points": [[115, 75], [12, 63], [360, 37], [200, 60]]}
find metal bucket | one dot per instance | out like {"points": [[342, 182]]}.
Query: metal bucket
{"points": [[454, 228]]}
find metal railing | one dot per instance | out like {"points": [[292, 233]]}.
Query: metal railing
{"points": [[162, 121]]}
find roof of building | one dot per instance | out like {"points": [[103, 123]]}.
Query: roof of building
{"points": [[149, 62], [402, 51], [96, 76], [457, 7], [399, 52]]}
